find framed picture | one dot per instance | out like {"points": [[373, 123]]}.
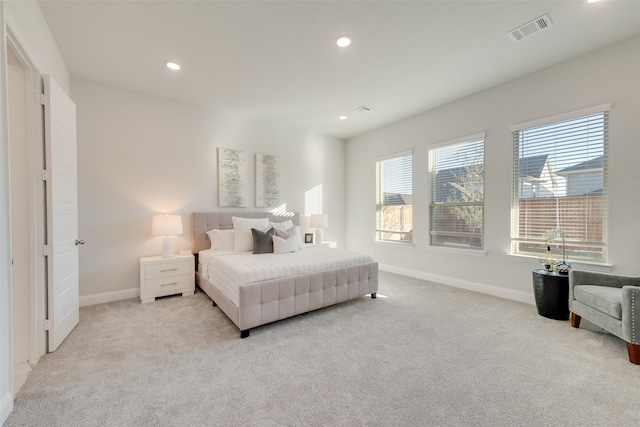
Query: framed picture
{"points": [[308, 237], [233, 174], [267, 181]]}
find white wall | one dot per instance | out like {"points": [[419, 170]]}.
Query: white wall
{"points": [[139, 155], [29, 29], [607, 75], [27, 24]]}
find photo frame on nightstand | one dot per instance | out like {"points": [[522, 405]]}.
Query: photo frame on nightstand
{"points": [[308, 237]]}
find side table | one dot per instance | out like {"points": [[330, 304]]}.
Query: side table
{"points": [[551, 291], [161, 276]]}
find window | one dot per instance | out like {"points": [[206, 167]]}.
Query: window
{"points": [[560, 182], [394, 198], [456, 194]]}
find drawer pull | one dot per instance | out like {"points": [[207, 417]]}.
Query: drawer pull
{"points": [[171, 269], [169, 284]]}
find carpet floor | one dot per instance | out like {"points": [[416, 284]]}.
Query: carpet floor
{"points": [[421, 354]]}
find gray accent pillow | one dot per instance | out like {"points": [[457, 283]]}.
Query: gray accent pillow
{"points": [[263, 242]]}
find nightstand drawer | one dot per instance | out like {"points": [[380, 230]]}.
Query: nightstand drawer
{"points": [[169, 269], [168, 285]]}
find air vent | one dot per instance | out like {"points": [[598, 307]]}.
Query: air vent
{"points": [[530, 28], [361, 110]]}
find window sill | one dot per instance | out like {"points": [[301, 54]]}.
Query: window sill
{"points": [[459, 251], [598, 267], [398, 243]]}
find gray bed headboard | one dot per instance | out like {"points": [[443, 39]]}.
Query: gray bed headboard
{"points": [[205, 221]]}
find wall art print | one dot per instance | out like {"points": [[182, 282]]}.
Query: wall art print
{"points": [[233, 174], [267, 181]]}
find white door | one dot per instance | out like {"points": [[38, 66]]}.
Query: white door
{"points": [[62, 213]]}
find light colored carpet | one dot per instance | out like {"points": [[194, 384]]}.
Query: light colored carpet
{"points": [[421, 354]]}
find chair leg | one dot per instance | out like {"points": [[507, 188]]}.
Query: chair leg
{"points": [[634, 353], [575, 320]]}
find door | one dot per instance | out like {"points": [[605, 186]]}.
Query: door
{"points": [[62, 213]]}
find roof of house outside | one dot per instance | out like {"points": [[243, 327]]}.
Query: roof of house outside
{"points": [[397, 199], [596, 163], [450, 184], [445, 179], [532, 166]]}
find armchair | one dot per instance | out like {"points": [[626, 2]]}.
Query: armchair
{"points": [[610, 302]]}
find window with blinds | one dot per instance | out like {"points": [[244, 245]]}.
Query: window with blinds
{"points": [[560, 183], [394, 198], [456, 194]]}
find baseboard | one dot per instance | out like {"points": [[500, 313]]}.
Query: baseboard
{"points": [[109, 296], [511, 294], [6, 406]]}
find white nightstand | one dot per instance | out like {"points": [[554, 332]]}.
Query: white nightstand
{"points": [[166, 276]]}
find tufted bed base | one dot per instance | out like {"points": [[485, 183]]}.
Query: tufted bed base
{"points": [[276, 299]]}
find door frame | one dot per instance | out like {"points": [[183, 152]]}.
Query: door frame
{"points": [[37, 203], [6, 305]]}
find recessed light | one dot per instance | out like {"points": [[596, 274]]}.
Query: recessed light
{"points": [[343, 41], [342, 117], [173, 66]]}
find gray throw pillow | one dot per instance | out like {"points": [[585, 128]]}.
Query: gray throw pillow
{"points": [[263, 242]]}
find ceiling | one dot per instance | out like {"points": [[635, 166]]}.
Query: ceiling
{"points": [[278, 61]]}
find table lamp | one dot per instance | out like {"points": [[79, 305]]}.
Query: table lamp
{"points": [[167, 226], [319, 221]]}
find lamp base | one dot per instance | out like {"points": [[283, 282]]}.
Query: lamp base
{"points": [[318, 237], [167, 247]]}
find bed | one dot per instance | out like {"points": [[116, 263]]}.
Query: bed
{"points": [[282, 289]]}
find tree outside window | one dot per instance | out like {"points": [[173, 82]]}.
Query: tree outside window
{"points": [[456, 206]]}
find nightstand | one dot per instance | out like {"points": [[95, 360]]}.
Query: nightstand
{"points": [[161, 276]]}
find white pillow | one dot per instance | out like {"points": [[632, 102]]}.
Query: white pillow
{"points": [[284, 246], [283, 226], [243, 238], [222, 240], [286, 229]]}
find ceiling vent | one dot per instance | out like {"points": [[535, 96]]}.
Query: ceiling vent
{"points": [[362, 109], [530, 28]]}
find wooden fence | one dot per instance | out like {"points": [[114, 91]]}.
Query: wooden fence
{"points": [[581, 217]]}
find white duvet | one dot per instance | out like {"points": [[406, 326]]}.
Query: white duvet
{"points": [[228, 270]]}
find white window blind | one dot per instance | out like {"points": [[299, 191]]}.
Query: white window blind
{"points": [[394, 198], [560, 182], [456, 201]]}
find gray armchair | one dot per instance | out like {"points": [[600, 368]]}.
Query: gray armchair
{"points": [[610, 302]]}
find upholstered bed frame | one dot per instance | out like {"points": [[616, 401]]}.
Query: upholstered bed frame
{"points": [[276, 299]]}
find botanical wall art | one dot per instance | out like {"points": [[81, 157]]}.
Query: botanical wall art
{"points": [[267, 181], [232, 178]]}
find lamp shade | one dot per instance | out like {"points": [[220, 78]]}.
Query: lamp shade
{"points": [[166, 225], [319, 221]]}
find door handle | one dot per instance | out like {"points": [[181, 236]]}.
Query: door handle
{"points": [[79, 242]]}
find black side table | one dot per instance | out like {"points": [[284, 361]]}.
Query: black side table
{"points": [[552, 294]]}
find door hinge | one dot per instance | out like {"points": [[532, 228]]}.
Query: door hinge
{"points": [[46, 250], [45, 175], [47, 325], [43, 99]]}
